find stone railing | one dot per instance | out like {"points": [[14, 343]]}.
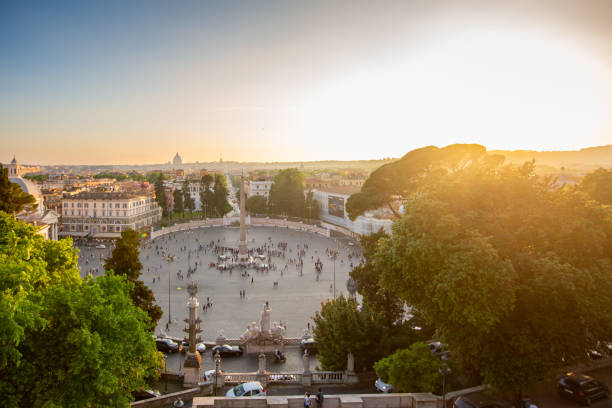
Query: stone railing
{"points": [[258, 222], [328, 377], [238, 378], [416, 400], [284, 378]]}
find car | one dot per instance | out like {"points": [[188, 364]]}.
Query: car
{"points": [[309, 344], [143, 394], [209, 376], [248, 389], [201, 347], [167, 346], [582, 388], [382, 386], [480, 400], [227, 350], [101, 246]]}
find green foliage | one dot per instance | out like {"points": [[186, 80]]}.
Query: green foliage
{"points": [[311, 207], [111, 175], [287, 193], [515, 274], [153, 176], [160, 195], [398, 179], [65, 342], [337, 332], [410, 370], [188, 201], [178, 201], [125, 260], [35, 177], [13, 199], [221, 205], [257, 204], [598, 185]]}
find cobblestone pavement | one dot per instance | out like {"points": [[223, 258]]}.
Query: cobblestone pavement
{"points": [[294, 301]]}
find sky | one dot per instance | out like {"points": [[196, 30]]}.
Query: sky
{"points": [[116, 82]]}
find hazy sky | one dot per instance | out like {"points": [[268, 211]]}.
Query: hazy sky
{"points": [[136, 81]]}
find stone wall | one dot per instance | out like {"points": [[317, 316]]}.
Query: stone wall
{"points": [[414, 400]]}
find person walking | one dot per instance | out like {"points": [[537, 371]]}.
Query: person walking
{"points": [[320, 398], [307, 400]]}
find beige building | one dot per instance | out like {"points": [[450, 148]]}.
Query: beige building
{"points": [[260, 188], [105, 215]]}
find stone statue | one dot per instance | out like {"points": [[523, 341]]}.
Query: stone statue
{"points": [[265, 320]]}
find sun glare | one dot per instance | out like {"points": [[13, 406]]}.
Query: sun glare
{"points": [[504, 89]]}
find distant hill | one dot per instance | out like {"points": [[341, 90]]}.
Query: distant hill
{"points": [[583, 159]]}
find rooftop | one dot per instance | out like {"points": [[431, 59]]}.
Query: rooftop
{"points": [[102, 195], [346, 190]]}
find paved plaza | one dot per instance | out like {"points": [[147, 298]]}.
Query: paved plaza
{"points": [[294, 300]]}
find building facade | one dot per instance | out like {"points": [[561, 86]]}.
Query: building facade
{"points": [[332, 209], [260, 188], [105, 215]]}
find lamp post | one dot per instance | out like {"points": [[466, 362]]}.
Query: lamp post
{"points": [[169, 310], [444, 370]]}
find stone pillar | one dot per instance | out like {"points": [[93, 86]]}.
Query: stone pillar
{"points": [[261, 369], [349, 376], [306, 374]]}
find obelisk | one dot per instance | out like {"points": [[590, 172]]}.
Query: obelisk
{"points": [[242, 246]]}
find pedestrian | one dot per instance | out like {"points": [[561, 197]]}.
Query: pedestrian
{"points": [[307, 400], [319, 398]]}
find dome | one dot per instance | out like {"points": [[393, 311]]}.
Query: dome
{"points": [[14, 161]]}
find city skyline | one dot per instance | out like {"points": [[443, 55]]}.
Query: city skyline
{"points": [[116, 83]]}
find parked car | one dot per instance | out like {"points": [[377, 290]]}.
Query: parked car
{"points": [[201, 347], [383, 387], [582, 388], [227, 350], [140, 395], [248, 389], [309, 344], [480, 400], [167, 346]]}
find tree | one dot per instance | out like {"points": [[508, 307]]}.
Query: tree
{"points": [[160, 195], [337, 332], [287, 193], [394, 181], [220, 196], [188, 201], [13, 199], [598, 185], [125, 261], [504, 264], [47, 310], [257, 204], [311, 207], [125, 257], [410, 370], [178, 201]]}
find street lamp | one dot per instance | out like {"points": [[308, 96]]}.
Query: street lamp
{"points": [[444, 370], [169, 310]]}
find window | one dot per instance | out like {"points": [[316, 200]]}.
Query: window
{"points": [[79, 213], [72, 205], [103, 213], [72, 212], [86, 213], [125, 213], [65, 205], [117, 205], [95, 213], [124, 205], [65, 212], [86, 205], [79, 205], [94, 205], [102, 205]]}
